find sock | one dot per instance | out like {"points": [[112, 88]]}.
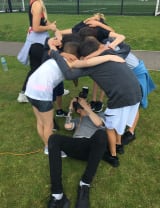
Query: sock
{"points": [[81, 183], [58, 196]]}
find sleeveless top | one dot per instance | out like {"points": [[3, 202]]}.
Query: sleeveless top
{"points": [[42, 22], [32, 37]]}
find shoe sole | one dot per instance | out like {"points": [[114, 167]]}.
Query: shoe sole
{"points": [[63, 156], [113, 165], [20, 101], [98, 111], [61, 116], [65, 94], [54, 129], [120, 152]]}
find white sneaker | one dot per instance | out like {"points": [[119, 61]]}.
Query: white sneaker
{"points": [[22, 98], [66, 92], [63, 154], [46, 150]]}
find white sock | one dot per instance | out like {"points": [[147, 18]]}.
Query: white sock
{"points": [[58, 196], [81, 183]]}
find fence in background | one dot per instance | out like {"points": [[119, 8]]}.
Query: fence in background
{"points": [[109, 7]]}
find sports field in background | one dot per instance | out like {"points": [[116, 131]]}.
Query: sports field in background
{"points": [[110, 7]]}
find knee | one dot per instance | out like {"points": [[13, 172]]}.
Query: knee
{"points": [[101, 138], [52, 141]]}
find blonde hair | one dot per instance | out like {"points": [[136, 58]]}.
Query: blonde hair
{"points": [[99, 16], [44, 9]]}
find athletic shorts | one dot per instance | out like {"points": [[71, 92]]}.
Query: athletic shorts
{"points": [[42, 106], [58, 91], [119, 118]]}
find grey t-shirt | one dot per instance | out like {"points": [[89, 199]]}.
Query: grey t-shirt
{"points": [[84, 127], [116, 79]]}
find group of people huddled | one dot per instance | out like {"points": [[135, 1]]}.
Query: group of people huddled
{"points": [[90, 48]]}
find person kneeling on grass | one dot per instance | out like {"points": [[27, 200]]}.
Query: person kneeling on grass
{"points": [[88, 143]]}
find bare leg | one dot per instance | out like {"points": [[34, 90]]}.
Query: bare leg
{"points": [[44, 124], [129, 135], [94, 91], [59, 102], [112, 141], [102, 94], [118, 139], [132, 129]]}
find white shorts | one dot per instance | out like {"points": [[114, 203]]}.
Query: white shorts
{"points": [[119, 118]]}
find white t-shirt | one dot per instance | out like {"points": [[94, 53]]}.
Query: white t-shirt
{"points": [[42, 82]]}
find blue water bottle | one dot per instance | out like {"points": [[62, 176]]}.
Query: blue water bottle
{"points": [[4, 64]]}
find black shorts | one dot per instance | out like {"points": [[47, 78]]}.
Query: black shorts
{"points": [[42, 106]]}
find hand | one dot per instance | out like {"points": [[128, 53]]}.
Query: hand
{"points": [[68, 126], [53, 43], [116, 58], [111, 46], [84, 104], [95, 17], [97, 53], [71, 103], [52, 26], [92, 23], [69, 57]]}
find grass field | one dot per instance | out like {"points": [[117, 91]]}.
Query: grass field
{"points": [[142, 33], [25, 178], [24, 173]]}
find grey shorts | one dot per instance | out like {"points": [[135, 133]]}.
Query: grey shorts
{"points": [[42, 106]]}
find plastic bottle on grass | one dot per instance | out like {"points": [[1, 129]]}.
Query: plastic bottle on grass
{"points": [[4, 64]]}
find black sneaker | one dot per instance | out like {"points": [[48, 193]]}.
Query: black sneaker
{"points": [[63, 203], [112, 160], [98, 107], [92, 104], [119, 148], [83, 197], [61, 113], [128, 137]]}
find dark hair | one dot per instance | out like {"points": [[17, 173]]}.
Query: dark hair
{"points": [[72, 48], [70, 37], [89, 45], [87, 31]]}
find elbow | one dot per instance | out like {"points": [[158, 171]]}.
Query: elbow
{"points": [[99, 123], [123, 37], [35, 29], [67, 75]]}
